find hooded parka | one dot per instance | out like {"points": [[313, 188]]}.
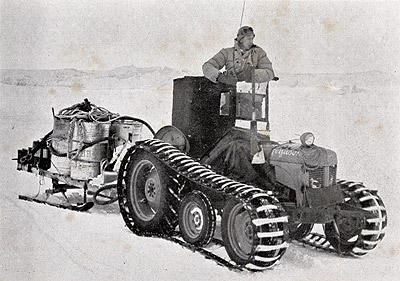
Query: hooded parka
{"points": [[238, 64]]}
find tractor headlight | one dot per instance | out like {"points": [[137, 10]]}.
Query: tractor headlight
{"points": [[307, 139]]}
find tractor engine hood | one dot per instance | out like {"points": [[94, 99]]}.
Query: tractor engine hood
{"points": [[300, 154]]}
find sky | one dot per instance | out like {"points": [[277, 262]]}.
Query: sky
{"points": [[298, 36]]}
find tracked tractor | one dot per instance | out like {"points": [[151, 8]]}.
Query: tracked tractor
{"points": [[206, 181], [293, 185]]}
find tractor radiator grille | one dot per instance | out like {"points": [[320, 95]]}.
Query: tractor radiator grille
{"points": [[322, 177], [332, 175]]}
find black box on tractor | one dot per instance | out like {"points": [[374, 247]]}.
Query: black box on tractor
{"points": [[203, 111]]}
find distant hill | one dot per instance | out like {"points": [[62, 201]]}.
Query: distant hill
{"points": [[126, 77], [132, 77]]}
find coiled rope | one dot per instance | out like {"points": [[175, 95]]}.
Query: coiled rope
{"points": [[87, 111]]}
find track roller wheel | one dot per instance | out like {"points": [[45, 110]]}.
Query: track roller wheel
{"points": [[196, 219], [253, 233], [298, 231], [149, 199], [357, 236]]}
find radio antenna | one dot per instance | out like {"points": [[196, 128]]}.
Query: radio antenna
{"points": [[241, 18]]}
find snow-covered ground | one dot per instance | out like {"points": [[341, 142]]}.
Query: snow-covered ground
{"points": [[39, 242]]}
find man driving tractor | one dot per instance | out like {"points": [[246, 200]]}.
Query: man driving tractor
{"points": [[232, 156], [238, 60]]}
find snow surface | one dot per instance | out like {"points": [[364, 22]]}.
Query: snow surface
{"points": [[39, 242]]}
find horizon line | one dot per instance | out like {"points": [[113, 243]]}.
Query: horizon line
{"points": [[187, 70]]}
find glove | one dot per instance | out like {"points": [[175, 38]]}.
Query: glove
{"points": [[227, 79], [247, 75]]}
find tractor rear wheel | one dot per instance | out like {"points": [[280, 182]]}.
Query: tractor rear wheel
{"points": [[149, 199], [196, 219]]}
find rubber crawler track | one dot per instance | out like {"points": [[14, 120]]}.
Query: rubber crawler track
{"points": [[317, 241], [267, 248], [374, 229]]}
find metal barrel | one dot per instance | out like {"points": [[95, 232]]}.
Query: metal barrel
{"points": [[59, 137], [59, 143], [82, 170], [125, 130], [85, 162], [61, 165]]}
